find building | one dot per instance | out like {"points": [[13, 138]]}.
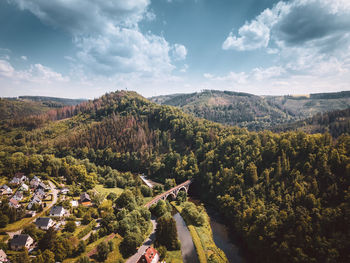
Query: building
{"points": [[18, 179], [65, 191], [34, 182], [20, 241], [14, 203], [74, 203], [3, 256], [43, 186], [5, 190], [24, 187], [151, 255], [35, 200], [18, 196], [57, 211], [44, 223], [85, 199]]}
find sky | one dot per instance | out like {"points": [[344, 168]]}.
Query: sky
{"points": [[86, 48]]}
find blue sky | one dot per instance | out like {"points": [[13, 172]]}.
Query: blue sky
{"points": [[85, 48]]}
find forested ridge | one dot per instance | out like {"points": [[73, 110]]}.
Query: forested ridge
{"points": [[255, 112], [286, 196]]}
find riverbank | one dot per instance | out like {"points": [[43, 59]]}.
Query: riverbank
{"points": [[202, 237]]}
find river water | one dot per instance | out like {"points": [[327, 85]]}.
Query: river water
{"points": [[222, 239], [188, 250]]}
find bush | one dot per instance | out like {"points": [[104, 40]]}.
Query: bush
{"points": [[70, 226], [192, 214]]}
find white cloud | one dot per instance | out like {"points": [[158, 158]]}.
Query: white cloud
{"points": [[24, 58], [6, 70], [107, 35], [179, 52]]}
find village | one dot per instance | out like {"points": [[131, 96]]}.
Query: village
{"points": [[48, 206]]}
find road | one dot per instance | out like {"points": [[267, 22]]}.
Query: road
{"points": [[54, 192], [145, 244]]}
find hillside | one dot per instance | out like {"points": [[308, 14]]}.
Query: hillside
{"points": [[254, 112], [335, 122], [285, 196], [11, 108]]}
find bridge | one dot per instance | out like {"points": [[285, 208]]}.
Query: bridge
{"points": [[173, 192]]}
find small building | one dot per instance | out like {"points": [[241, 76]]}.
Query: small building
{"points": [[40, 193], [74, 203], [14, 203], [18, 196], [20, 241], [24, 187], [34, 182], [43, 186], [64, 191], [151, 255], [18, 179], [5, 190], [57, 211], [85, 199], [3, 256], [44, 223]]}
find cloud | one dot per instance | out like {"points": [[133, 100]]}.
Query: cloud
{"points": [[107, 35], [24, 58], [179, 52], [6, 70]]}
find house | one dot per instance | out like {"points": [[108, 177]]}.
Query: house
{"points": [[14, 203], [85, 199], [44, 223], [18, 196], [151, 255], [35, 200], [74, 203], [34, 182], [24, 187], [19, 178], [20, 241], [43, 186], [5, 190], [57, 211], [40, 193], [3, 256]]}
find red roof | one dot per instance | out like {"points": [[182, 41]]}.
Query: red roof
{"points": [[148, 256]]}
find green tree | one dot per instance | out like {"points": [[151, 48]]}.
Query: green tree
{"points": [[102, 251], [166, 233], [70, 226]]}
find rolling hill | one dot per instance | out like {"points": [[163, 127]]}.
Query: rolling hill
{"points": [[254, 112]]}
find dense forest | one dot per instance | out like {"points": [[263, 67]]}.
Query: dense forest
{"points": [[254, 112], [335, 122], [286, 196]]}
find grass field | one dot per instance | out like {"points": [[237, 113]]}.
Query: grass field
{"points": [[105, 191], [173, 256]]}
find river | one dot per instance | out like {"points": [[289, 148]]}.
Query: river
{"points": [[188, 250], [222, 239]]}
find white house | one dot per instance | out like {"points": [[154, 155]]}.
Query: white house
{"points": [[24, 187], [44, 223], [57, 211], [20, 241]]}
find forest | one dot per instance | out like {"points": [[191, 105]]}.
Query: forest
{"points": [[286, 196]]}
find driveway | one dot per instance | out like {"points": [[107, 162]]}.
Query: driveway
{"points": [[145, 244]]}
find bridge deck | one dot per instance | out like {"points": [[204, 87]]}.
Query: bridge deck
{"points": [[158, 197]]}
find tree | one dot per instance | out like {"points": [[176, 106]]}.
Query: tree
{"points": [[83, 259], [192, 214], [169, 183], [47, 242], [22, 257], [130, 243], [125, 199], [4, 220], [251, 177], [166, 233], [81, 247], [70, 226], [48, 256], [102, 251]]}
